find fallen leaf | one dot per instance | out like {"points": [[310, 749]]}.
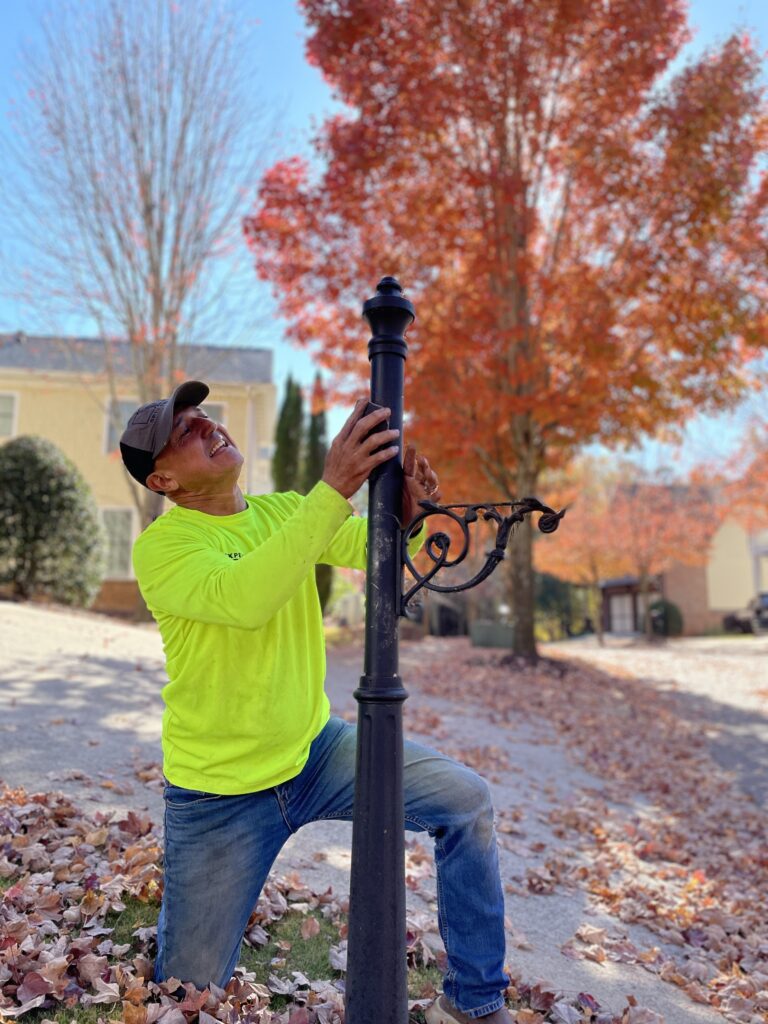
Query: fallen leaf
{"points": [[337, 956], [641, 1015], [134, 1014], [591, 935], [564, 1013], [310, 927], [527, 1016]]}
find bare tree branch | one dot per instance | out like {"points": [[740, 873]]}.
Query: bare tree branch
{"points": [[132, 152]]}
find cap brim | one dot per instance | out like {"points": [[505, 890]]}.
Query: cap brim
{"points": [[191, 392]]}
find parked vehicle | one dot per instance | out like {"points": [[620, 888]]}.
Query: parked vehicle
{"points": [[752, 619]]}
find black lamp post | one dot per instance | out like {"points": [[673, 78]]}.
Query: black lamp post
{"points": [[377, 991]]}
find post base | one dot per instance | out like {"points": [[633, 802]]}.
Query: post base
{"points": [[380, 690]]}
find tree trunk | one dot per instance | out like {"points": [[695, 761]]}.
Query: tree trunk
{"points": [[521, 591], [598, 611], [644, 602], [520, 548]]}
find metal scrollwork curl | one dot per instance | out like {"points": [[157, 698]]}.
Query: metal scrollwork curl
{"points": [[438, 545]]}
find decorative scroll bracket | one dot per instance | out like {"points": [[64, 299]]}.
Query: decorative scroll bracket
{"points": [[438, 544]]}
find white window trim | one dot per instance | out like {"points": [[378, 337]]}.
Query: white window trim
{"points": [[16, 396], [134, 533], [224, 407], [105, 440]]}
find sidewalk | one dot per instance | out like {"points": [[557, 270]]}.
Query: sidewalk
{"points": [[80, 712]]}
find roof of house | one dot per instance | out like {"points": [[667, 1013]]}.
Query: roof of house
{"points": [[86, 355], [626, 581], [619, 581]]}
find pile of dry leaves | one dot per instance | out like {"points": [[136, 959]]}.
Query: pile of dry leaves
{"points": [[70, 870]]}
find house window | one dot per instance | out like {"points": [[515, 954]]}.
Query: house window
{"points": [[7, 410], [118, 523], [215, 410], [117, 420]]}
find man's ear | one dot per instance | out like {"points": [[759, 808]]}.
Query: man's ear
{"points": [[161, 482]]}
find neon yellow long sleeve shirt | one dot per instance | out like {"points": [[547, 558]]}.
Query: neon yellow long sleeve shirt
{"points": [[237, 607]]}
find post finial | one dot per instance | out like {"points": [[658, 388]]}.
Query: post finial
{"points": [[389, 314], [389, 286]]}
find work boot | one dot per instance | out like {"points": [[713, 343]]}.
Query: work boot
{"points": [[442, 1011]]}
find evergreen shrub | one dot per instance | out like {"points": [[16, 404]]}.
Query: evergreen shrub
{"points": [[52, 542], [666, 618]]}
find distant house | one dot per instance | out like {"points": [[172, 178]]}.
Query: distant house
{"points": [[736, 571], [58, 389]]}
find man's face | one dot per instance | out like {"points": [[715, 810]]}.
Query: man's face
{"points": [[200, 456]]}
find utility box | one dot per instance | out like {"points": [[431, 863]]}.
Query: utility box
{"points": [[487, 633]]}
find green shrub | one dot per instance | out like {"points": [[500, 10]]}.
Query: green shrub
{"points": [[51, 540], [666, 618]]}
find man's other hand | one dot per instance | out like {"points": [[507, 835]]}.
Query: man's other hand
{"points": [[420, 483], [351, 459]]}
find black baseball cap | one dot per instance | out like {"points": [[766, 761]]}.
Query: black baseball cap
{"points": [[149, 428]]}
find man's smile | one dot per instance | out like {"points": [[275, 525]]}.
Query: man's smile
{"points": [[221, 443]]}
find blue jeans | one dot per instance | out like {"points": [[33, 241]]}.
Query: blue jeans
{"points": [[219, 851]]}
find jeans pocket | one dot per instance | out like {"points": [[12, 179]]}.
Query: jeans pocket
{"points": [[177, 796]]}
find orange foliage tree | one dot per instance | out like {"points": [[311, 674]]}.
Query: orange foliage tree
{"points": [[745, 479], [627, 521], [656, 524], [585, 244]]}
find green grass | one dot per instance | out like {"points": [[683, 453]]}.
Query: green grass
{"points": [[309, 956], [5, 883], [78, 1014], [421, 981], [136, 915]]}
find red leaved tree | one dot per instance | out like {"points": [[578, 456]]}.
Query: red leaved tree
{"points": [[584, 244], [745, 479], [657, 523], [627, 521]]}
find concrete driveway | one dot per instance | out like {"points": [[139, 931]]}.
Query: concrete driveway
{"points": [[721, 681]]}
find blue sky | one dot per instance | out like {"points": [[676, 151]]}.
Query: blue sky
{"points": [[297, 94]]}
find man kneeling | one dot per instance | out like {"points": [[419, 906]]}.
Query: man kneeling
{"points": [[250, 750]]}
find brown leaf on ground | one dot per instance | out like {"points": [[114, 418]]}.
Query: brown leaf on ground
{"points": [[134, 1014], [527, 1016], [591, 935], [310, 927], [426, 722], [641, 1015]]}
